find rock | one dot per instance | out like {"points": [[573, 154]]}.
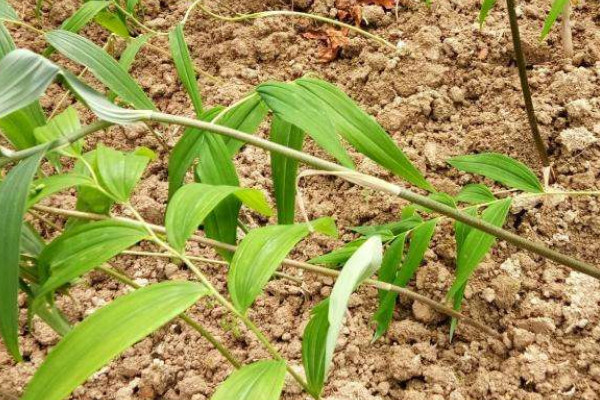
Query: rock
{"points": [[170, 270], [408, 331], [457, 95], [424, 313], [539, 325], [522, 338], [191, 385], [507, 291], [374, 15], [488, 294], [443, 376], [404, 363], [578, 110], [577, 139]]}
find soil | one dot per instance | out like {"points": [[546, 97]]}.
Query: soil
{"points": [[453, 90]]}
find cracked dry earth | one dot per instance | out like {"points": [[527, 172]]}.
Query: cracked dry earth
{"points": [[454, 90]]}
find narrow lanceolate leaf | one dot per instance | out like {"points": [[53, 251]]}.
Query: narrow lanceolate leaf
{"points": [[18, 126], [32, 243], [7, 12], [396, 228], [557, 9], [113, 23], [83, 15], [107, 333], [61, 126], [48, 186], [119, 173], [246, 117], [102, 65], [13, 198], [24, 78], [260, 253], [364, 263], [133, 47], [485, 10], [100, 105], [338, 256], [314, 342], [262, 380], [477, 244], [284, 169], [79, 19], [184, 66], [83, 248], [194, 202], [216, 168], [294, 105], [500, 168], [186, 151], [475, 193], [362, 131], [419, 243]]}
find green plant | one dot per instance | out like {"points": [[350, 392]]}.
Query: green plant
{"points": [[104, 177]]}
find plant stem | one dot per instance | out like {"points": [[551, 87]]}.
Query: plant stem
{"points": [[281, 13], [200, 259], [567, 36], [291, 263], [219, 297], [349, 175], [520, 56], [186, 318]]}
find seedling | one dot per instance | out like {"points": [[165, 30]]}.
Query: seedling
{"points": [[105, 177]]}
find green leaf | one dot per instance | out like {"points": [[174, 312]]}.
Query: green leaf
{"points": [[112, 23], [83, 15], [83, 248], [473, 248], [284, 169], [48, 186], [364, 263], [259, 254], [440, 197], [262, 380], [419, 243], [119, 173], [18, 126], [246, 117], [61, 126], [500, 168], [7, 12], [13, 198], [338, 256], [396, 228], [295, 105], [32, 243], [25, 76], [314, 342], [184, 66], [362, 131], [131, 4], [101, 106], [475, 193], [102, 66], [194, 202], [186, 151], [485, 10], [79, 19], [557, 9], [133, 47], [216, 168], [107, 333]]}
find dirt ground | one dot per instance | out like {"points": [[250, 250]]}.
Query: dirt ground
{"points": [[453, 90]]}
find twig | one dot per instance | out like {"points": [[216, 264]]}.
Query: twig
{"points": [[522, 66], [291, 263]]}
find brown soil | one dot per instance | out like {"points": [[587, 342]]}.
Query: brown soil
{"points": [[454, 91]]}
